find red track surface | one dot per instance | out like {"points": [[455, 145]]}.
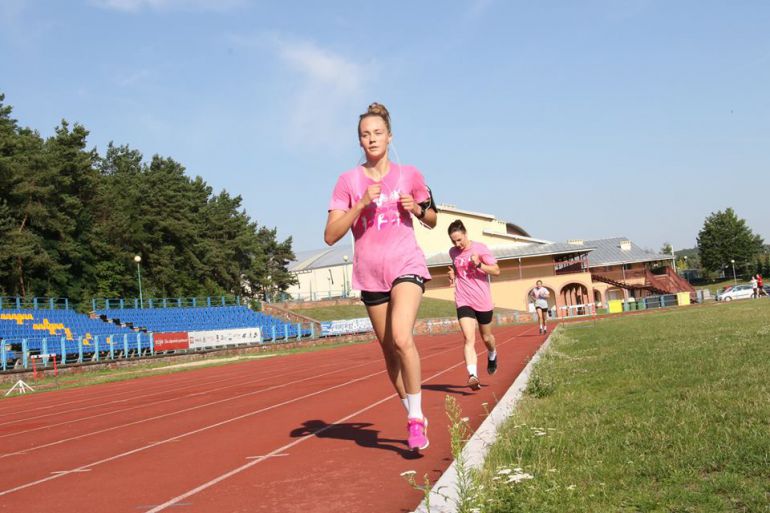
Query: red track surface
{"points": [[311, 432]]}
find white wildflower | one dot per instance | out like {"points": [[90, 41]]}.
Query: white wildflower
{"points": [[465, 419], [518, 477], [408, 473], [504, 472]]}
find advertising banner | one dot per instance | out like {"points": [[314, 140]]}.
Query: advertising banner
{"points": [[171, 341], [223, 338], [346, 327]]}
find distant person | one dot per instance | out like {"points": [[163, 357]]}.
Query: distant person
{"points": [[378, 201], [472, 264], [540, 296], [754, 291], [760, 286]]}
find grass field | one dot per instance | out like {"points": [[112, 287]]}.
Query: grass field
{"points": [[662, 412], [429, 308]]}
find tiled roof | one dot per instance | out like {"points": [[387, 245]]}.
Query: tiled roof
{"points": [[532, 250], [608, 252]]}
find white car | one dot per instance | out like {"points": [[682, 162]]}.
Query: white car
{"points": [[736, 292]]}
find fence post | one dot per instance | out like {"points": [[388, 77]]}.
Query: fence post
{"points": [[125, 346], [44, 349], [299, 330], [286, 331], [111, 340], [63, 358], [2, 354], [273, 332], [18, 303], [34, 303], [96, 347], [312, 330], [139, 344], [80, 349], [152, 344]]}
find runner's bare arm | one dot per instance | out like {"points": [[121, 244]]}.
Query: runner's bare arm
{"points": [[339, 222]]}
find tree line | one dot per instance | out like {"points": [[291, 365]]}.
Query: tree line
{"points": [[72, 221], [724, 241]]}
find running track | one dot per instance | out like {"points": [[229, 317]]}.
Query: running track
{"points": [[310, 432]]}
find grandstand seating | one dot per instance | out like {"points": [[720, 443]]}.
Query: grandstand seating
{"points": [[65, 332], [165, 320], [44, 331], [122, 332]]}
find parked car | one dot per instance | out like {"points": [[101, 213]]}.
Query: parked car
{"points": [[736, 292]]}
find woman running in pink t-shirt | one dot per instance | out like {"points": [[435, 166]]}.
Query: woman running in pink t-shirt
{"points": [[377, 201], [472, 263]]}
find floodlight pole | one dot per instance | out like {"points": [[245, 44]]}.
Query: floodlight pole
{"points": [[735, 280], [138, 261]]}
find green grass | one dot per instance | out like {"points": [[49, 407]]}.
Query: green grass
{"points": [[663, 412], [429, 308]]}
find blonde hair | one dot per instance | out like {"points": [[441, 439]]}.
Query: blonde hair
{"points": [[375, 109]]}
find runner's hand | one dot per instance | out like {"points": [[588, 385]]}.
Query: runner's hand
{"points": [[371, 194], [451, 274], [408, 203]]}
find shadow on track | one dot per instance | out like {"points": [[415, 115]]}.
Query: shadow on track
{"points": [[356, 432]]}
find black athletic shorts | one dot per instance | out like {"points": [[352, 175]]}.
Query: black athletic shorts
{"points": [[481, 317], [378, 298]]}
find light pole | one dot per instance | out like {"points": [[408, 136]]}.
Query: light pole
{"points": [[735, 280], [345, 274], [138, 261]]}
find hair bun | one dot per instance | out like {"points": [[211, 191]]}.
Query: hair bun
{"points": [[378, 109]]}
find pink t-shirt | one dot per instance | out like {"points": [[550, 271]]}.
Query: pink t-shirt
{"points": [[385, 246], [472, 284]]}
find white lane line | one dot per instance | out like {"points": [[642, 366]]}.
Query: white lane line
{"points": [[138, 406], [91, 406], [72, 471], [190, 433], [188, 383], [266, 456], [209, 484], [233, 419], [177, 412]]}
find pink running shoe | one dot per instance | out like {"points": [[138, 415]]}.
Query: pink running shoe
{"points": [[418, 434]]}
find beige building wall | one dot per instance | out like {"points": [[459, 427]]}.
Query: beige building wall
{"points": [[511, 288], [476, 224]]}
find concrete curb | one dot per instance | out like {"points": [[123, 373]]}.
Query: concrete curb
{"points": [[443, 495]]}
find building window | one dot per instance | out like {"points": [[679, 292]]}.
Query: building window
{"points": [[572, 263]]}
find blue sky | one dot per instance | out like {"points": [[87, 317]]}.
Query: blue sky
{"points": [[657, 111]]}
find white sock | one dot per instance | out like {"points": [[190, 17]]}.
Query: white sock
{"points": [[415, 405], [405, 403], [472, 370], [492, 355]]}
